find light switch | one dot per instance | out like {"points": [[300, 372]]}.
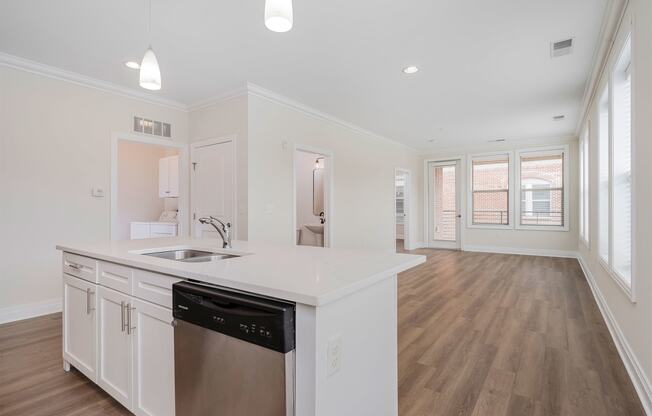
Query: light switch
{"points": [[334, 361], [97, 192]]}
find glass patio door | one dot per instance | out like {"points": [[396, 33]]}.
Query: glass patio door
{"points": [[444, 204]]}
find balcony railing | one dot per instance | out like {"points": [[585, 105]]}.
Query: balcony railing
{"points": [[542, 218], [499, 217]]}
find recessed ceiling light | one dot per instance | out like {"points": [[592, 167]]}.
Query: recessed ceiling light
{"points": [[410, 69], [132, 65]]}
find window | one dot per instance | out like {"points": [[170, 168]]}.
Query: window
{"points": [[543, 195], [584, 187], [603, 177], [621, 170], [490, 190]]}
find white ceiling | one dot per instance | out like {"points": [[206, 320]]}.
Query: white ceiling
{"points": [[485, 66]]}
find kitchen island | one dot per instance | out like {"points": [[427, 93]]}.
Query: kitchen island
{"points": [[346, 317]]}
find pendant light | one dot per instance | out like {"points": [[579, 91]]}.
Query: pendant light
{"points": [[278, 15], [150, 73]]}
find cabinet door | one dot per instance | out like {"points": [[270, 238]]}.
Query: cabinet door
{"points": [[153, 352], [139, 230], [173, 176], [164, 177], [80, 325], [115, 359]]}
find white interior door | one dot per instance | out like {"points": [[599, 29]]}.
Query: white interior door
{"points": [[444, 190], [213, 184]]}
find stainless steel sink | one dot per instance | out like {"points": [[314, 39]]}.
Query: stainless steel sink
{"points": [[190, 256]]}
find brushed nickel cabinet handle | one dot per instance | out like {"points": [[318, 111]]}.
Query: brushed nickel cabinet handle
{"points": [[89, 293], [122, 315]]}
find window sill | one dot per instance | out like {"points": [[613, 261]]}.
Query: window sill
{"points": [[563, 228], [490, 226], [620, 282]]}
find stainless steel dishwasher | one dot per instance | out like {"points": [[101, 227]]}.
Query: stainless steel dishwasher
{"points": [[233, 353]]}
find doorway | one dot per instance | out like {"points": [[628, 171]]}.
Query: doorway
{"points": [[444, 204], [213, 184], [313, 217], [401, 204], [148, 187]]}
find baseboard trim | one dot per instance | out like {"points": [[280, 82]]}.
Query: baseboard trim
{"points": [[521, 251], [31, 310], [636, 374], [415, 246]]}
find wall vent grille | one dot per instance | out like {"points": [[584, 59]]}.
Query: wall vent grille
{"points": [[561, 48], [153, 127], [559, 117]]}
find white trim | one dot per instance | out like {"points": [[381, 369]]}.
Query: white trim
{"points": [[218, 99], [29, 310], [521, 251], [407, 205], [260, 92], [22, 64], [565, 149], [234, 193], [328, 191], [510, 193], [416, 245], [636, 373], [183, 176]]}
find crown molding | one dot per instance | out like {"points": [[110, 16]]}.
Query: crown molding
{"points": [[260, 92], [217, 99], [37, 68]]}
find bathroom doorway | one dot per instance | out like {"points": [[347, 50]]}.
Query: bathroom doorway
{"points": [[312, 197]]}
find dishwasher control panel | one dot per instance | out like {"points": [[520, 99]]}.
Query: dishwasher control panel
{"points": [[261, 321]]}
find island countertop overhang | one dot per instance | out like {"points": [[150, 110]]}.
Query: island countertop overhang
{"points": [[308, 275]]}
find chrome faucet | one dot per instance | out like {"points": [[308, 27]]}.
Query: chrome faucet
{"points": [[223, 229]]}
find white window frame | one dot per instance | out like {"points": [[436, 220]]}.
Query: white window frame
{"points": [[543, 151], [585, 188], [510, 194], [628, 288]]}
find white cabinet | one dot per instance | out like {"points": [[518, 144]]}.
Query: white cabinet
{"points": [[153, 359], [116, 336], [80, 325], [114, 374], [168, 177]]}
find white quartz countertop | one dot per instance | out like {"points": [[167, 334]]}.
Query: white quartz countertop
{"points": [[309, 275]]}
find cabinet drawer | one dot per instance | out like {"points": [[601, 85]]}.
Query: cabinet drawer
{"points": [[115, 276], [153, 287], [162, 230], [80, 266]]}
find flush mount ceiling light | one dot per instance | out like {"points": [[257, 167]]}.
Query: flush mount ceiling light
{"points": [[278, 15], [132, 65], [150, 73], [410, 69]]}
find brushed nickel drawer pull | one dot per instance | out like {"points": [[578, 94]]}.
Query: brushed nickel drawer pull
{"points": [[122, 315], [89, 293]]}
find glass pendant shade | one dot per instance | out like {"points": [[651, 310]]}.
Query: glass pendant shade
{"points": [[150, 74], [278, 15]]}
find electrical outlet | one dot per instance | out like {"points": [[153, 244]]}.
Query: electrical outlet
{"points": [[334, 361], [97, 192]]}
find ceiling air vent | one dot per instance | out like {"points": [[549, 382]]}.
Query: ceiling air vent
{"points": [[153, 127], [559, 117], [561, 48]]}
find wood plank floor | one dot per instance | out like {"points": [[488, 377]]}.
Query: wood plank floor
{"points": [[479, 334]]}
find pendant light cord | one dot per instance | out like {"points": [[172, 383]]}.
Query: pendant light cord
{"points": [[149, 24]]}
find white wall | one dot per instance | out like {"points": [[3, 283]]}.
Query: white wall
{"points": [[363, 184], [54, 146], [544, 242], [227, 118], [138, 178], [633, 319], [305, 164]]}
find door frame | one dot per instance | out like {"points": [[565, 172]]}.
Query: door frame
{"points": [[193, 149], [407, 244], [462, 196], [328, 191], [116, 137]]}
